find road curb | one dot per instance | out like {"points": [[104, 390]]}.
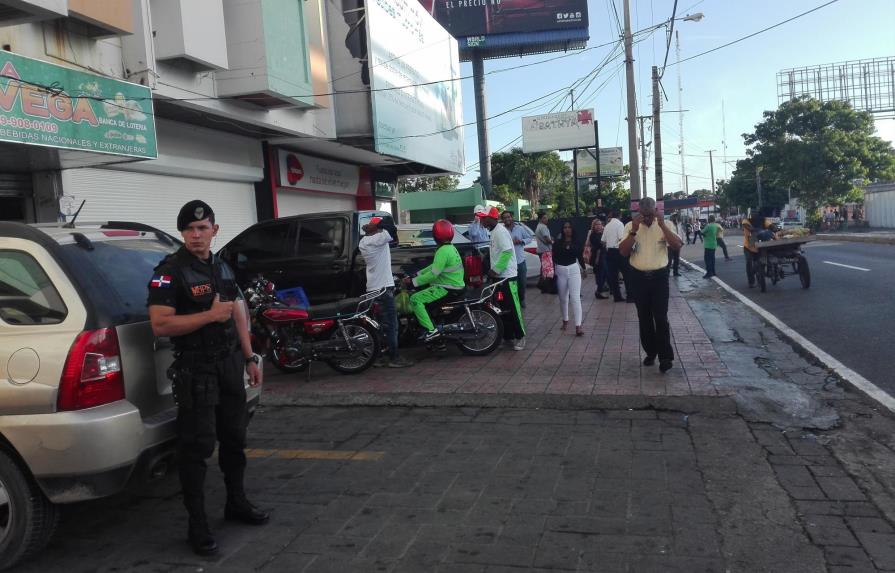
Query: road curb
{"points": [[856, 238], [845, 373], [710, 405]]}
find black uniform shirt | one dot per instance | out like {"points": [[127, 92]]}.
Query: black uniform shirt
{"points": [[189, 285], [566, 254]]}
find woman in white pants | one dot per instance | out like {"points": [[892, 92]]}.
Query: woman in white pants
{"points": [[568, 262]]}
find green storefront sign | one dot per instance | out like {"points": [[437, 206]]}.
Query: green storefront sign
{"points": [[53, 106]]}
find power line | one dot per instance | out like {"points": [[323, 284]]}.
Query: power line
{"points": [[752, 35]]}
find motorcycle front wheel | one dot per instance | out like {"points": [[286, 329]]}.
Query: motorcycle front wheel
{"points": [[490, 328], [366, 348]]}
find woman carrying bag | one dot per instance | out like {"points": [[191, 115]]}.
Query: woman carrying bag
{"points": [[568, 261]]}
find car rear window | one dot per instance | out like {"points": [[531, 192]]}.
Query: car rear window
{"points": [[27, 296], [116, 273]]}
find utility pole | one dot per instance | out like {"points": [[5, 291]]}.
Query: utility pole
{"points": [[632, 107], [657, 136], [712, 168], [758, 186], [641, 119], [481, 120], [575, 163]]}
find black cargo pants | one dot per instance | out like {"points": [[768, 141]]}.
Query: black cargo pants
{"points": [[217, 413]]}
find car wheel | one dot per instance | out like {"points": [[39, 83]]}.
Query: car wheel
{"points": [[27, 518]]}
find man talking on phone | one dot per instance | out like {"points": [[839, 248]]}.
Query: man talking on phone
{"points": [[194, 300], [647, 240]]}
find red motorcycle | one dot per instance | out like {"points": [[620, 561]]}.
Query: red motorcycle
{"points": [[342, 333]]}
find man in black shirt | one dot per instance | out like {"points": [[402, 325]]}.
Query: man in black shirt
{"points": [[193, 298]]}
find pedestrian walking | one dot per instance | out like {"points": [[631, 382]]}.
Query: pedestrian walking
{"points": [[476, 232], [710, 243], [194, 300], [674, 255], [615, 263], [542, 234], [697, 231], [688, 228], [503, 266], [568, 260], [597, 257], [375, 248], [722, 244], [647, 239], [521, 236]]}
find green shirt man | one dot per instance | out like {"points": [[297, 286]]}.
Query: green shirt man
{"points": [[710, 234]]}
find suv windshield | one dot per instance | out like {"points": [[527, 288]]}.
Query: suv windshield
{"points": [[117, 272]]}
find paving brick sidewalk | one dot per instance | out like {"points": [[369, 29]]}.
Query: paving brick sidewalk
{"points": [[606, 361]]}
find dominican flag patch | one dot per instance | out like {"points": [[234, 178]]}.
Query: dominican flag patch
{"points": [[160, 281]]}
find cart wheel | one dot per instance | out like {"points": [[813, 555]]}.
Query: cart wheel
{"points": [[804, 272], [760, 277]]}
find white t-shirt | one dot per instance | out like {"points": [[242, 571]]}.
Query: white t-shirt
{"points": [[501, 241], [376, 253], [613, 234]]}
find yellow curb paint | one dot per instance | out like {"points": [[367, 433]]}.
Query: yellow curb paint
{"points": [[331, 455]]}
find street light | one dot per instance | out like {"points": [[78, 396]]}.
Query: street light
{"points": [[693, 17]]}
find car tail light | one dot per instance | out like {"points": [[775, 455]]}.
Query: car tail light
{"points": [[532, 250], [92, 373]]}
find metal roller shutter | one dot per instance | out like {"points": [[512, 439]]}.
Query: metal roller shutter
{"points": [[15, 184], [297, 203], [156, 199]]}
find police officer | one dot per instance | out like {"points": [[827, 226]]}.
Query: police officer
{"points": [[193, 299]]}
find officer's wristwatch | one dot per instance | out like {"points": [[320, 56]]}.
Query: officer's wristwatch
{"points": [[253, 358]]}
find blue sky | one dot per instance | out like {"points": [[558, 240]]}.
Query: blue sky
{"points": [[742, 75]]}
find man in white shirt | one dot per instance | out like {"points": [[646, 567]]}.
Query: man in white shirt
{"points": [[476, 232], [615, 262], [503, 266], [374, 246], [521, 236]]}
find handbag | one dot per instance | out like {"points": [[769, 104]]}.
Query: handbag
{"points": [[547, 270]]}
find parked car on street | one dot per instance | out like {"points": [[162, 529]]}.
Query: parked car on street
{"points": [[85, 405], [420, 235], [319, 253]]}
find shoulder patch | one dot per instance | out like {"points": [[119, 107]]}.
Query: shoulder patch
{"points": [[160, 281]]}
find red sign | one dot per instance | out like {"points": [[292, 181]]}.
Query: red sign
{"points": [[294, 170]]}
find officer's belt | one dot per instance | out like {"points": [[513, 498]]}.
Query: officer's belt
{"points": [[204, 354]]}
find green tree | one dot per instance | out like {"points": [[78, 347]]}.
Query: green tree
{"points": [[437, 183], [815, 150], [538, 177]]}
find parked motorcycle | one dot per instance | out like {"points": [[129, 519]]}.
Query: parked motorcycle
{"points": [[342, 334], [470, 319]]}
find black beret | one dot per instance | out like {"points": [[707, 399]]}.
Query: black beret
{"points": [[193, 211]]}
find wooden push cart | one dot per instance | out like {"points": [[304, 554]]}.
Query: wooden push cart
{"points": [[775, 256]]}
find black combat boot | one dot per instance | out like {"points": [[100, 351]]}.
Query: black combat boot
{"points": [[238, 508], [200, 537]]}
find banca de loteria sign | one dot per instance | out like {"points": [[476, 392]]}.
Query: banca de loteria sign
{"points": [[54, 106]]}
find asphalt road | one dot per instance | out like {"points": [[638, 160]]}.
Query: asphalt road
{"points": [[848, 312]]}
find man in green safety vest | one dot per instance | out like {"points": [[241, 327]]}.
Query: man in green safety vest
{"points": [[443, 275]]}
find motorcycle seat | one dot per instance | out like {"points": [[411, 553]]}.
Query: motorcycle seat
{"points": [[335, 309]]}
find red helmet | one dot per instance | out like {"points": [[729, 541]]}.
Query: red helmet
{"points": [[442, 231]]}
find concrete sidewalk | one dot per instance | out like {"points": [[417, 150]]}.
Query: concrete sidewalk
{"points": [[600, 369]]}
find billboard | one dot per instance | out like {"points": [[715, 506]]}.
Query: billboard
{"points": [[88, 112], [417, 115], [557, 131], [610, 162], [464, 18]]}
